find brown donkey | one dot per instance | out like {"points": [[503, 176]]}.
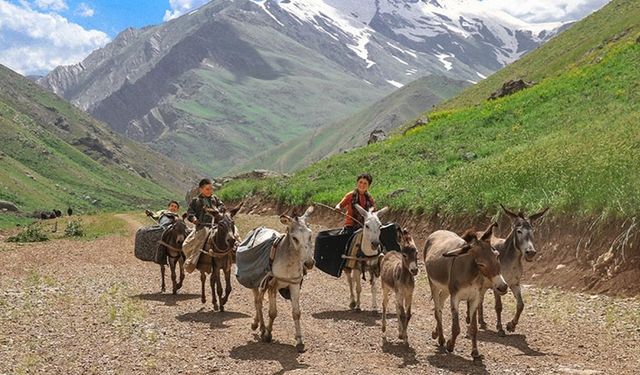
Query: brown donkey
{"points": [[220, 255], [459, 266], [397, 271], [172, 239], [518, 246]]}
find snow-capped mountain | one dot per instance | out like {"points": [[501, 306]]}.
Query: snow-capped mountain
{"points": [[397, 40], [246, 75]]}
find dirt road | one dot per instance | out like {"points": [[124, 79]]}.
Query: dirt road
{"points": [[91, 307]]}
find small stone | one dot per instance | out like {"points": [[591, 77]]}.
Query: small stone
{"points": [[560, 266]]}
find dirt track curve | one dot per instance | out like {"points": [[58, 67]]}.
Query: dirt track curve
{"points": [[91, 307]]}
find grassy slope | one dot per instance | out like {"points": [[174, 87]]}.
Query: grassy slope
{"points": [[570, 142], [41, 168], [387, 113]]}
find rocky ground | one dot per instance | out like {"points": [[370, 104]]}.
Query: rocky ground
{"points": [[71, 306]]}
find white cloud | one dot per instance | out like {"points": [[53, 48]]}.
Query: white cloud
{"points": [[56, 5], [85, 10], [180, 7], [547, 10], [35, 42]]}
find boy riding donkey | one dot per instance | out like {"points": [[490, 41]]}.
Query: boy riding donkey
{"points": [[199, 214]]}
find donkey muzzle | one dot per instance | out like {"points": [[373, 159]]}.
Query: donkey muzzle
{"points": [[309, 264], [529, 255]]}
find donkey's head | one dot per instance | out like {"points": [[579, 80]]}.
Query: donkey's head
{"points": [[409, 250], [371, 230], [299, 233], [226, 235], [522, 231], [177, 233], [484, 255]]}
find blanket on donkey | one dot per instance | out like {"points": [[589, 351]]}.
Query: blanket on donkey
{"points": [[331, 244], [252, 257]]}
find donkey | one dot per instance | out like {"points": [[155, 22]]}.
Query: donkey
{"points": [[397, 271], [172, 239], [363, 255], [459, 266], [289, 258], [220, 255], [222, 248], [517, 246]]}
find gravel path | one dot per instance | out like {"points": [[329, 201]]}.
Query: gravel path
{"points": [[91, 307]]}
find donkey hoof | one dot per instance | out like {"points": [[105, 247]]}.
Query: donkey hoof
{"points": [[450, 346], [162, 290], [357, 309], [203, 300], [441, 342], [475, 355], [501, 332], [254, 326], [300, 348], [221, 308], [215, 307], [266, 337], [483, 325], [434, 334], [175, 291], [352, 305], [468, 320], [384, 328], [511, 326]]}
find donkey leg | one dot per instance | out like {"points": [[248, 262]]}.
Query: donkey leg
{"points": [[402, 314], [181, 263], [174, 282], [352, 297], [203, 278], [438, 305], [455, 322], [227, 286], [482, 324], [385, 301], [356, 277], [517, 292], [408, 300], [372, 280], [273, 312], [473, 328], [258, 320], [214, 279], [498, 313], [295, 310], [162, 287]]}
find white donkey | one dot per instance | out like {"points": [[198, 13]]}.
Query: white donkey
{"points": [[363, 256], [289, 257]]}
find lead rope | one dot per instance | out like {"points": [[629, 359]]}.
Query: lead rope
{"points": [[340, 212]]}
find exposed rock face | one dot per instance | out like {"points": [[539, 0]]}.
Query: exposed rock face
{"points": [[8, 206], [376, 136], [511, 87]]}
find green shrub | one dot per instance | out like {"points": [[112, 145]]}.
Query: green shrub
{"points": [[32, 233], [75, 228]]}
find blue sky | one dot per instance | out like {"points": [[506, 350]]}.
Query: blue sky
{"points": [[38, 35]]}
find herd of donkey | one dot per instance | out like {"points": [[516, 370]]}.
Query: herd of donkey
{"points": [[462, 267]]}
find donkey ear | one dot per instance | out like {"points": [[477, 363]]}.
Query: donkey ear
{"points": [[486, 236], [538, 215], [286, 220], [511, 214], [234, 211], [469, 235], [308, 212], [362, 211], [382, 211], [459, 251]]}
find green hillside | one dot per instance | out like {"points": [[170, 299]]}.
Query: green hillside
{"points": [[53, 156], [385, 114], [570, 142]]}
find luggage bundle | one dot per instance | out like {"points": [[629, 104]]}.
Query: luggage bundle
{"points": [[252, 257]]}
